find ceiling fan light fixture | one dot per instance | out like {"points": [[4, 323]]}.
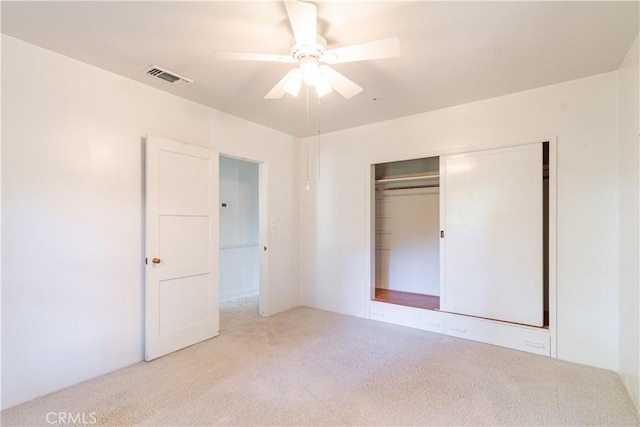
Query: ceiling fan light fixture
{"points": [[311, 77], [310, 71], [293, 83], [323, 86]]}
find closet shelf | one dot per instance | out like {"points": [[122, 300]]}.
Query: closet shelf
{"points": [[408, 187], [407, 178]]}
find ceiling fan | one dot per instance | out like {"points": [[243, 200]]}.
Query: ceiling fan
{"points": [[310, 52]]}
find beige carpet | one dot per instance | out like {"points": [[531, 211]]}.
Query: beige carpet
{"points": [[310, 367]]}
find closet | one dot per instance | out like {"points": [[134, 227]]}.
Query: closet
{"points": [[461, 245]]}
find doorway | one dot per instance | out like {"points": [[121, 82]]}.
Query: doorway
{"points": [[242, 243]]}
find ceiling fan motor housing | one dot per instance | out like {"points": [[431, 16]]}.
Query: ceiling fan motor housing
{"points": [[301, 51]]}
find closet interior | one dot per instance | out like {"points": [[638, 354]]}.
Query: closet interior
{"points": [[409, 230], [407, 233]]}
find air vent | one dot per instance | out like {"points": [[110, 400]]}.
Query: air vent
{"points": [[167, 76]]}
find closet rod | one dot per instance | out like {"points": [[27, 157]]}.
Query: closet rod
{"points": [[407, 178], [411, 187]]}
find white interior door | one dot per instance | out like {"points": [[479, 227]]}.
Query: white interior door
{"points": [[491, 215], [181, 294]]}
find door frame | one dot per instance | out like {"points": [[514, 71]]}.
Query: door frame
{"points": [[263, 229]]}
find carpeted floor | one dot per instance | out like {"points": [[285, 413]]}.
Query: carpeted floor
{"points": [[310, 367]]}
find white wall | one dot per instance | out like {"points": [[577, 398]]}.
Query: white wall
{"points": [[629, 307], [239, 233], [72, 212], [335, 238], [409, 256]]}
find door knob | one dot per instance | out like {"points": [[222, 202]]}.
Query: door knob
{"points": [[156, 260]]}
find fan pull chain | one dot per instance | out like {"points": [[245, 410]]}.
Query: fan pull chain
{"points": [[318, 143], [307, 91], [307, 187]]}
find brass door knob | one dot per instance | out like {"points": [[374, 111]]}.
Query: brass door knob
{"points": [[156, 260]]}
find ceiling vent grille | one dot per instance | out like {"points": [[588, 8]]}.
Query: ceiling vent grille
{"points": [[167, 76]]}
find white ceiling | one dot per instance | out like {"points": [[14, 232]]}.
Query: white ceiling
{"points": [[452, 52]]}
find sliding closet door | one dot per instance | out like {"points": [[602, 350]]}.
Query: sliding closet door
{"points": [[491, 245]]}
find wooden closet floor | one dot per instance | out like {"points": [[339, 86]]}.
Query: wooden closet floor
{"points": [[430, 302]]}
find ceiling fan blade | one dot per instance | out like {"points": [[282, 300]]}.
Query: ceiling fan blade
{"points": [[340, 83], [246, 56], [377, 49], [279, 90], [303, 19]]}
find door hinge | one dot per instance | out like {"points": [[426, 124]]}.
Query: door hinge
{"points": [[441, 233], [146, 261]]}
